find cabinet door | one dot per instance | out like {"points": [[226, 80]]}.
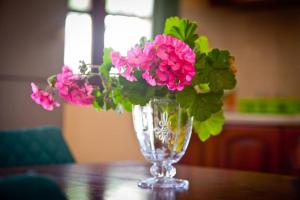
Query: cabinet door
{"points": [[202, 153], [250, 148], [290, 158]]}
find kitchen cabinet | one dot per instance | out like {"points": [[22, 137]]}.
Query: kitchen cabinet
{"points": [[290, 157], [262, 148]]}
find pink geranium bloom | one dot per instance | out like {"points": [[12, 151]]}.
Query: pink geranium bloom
{"points": [[134, 57], [172, 61], [43, 98], [167, 61], [118, 60], [150, 80], [72, 89], [127, 65]]}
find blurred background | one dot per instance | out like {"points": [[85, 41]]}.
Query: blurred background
{"points": [[262, 131]]}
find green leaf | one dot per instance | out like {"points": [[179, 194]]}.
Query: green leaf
{"points": [[215, 70], [137, 92], [186, 97], [202, 45], [120, 100], [202, 88], [106, 65], [223, 79], [175, 117], [98, 103], [211, 126], [52, 80], [182, 29], [126, 104], [170, 23], [96, 92], [200, 60], [161, 91], [106, 55], [104, 100], [205, 105], [201, 106], [219, 59]]}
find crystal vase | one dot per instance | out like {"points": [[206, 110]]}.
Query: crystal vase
{"points": [[163, 131]]}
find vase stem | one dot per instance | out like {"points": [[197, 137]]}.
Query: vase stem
{"points": [[162, 170], [163, 173]]}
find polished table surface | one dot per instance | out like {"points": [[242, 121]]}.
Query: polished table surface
{"points": [[119, 181]]}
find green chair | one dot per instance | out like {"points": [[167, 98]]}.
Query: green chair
{"points": [[34, 146]]}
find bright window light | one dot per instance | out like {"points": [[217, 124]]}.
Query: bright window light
{"points": [[80, 5], [142, 8], [78, 39], [122, 32]]}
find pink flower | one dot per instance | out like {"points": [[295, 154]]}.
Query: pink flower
{"points": [[150, 80], [170, 62], [167, 61], [118, 60], [43, 98], [134, 57], [127, 65], [72, 89]]}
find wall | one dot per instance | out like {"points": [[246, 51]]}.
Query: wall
{"points": [[265, 42], [100, 136], [32, 44]]}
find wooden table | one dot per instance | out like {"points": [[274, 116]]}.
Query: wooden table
{"points": [[119, 181]]}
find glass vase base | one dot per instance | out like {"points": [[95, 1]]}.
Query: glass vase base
{"points": [[164, 183]]}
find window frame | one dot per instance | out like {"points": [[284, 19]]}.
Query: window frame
{"points": [[97, 14], [122, 14]]}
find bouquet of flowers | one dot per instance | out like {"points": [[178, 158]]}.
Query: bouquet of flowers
{"points": [[177, 64]]}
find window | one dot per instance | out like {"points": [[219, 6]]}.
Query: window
{"points": [[126, 22], [78, 33]]}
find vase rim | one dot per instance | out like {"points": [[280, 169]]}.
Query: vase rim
{"points": [[163, 99]]}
